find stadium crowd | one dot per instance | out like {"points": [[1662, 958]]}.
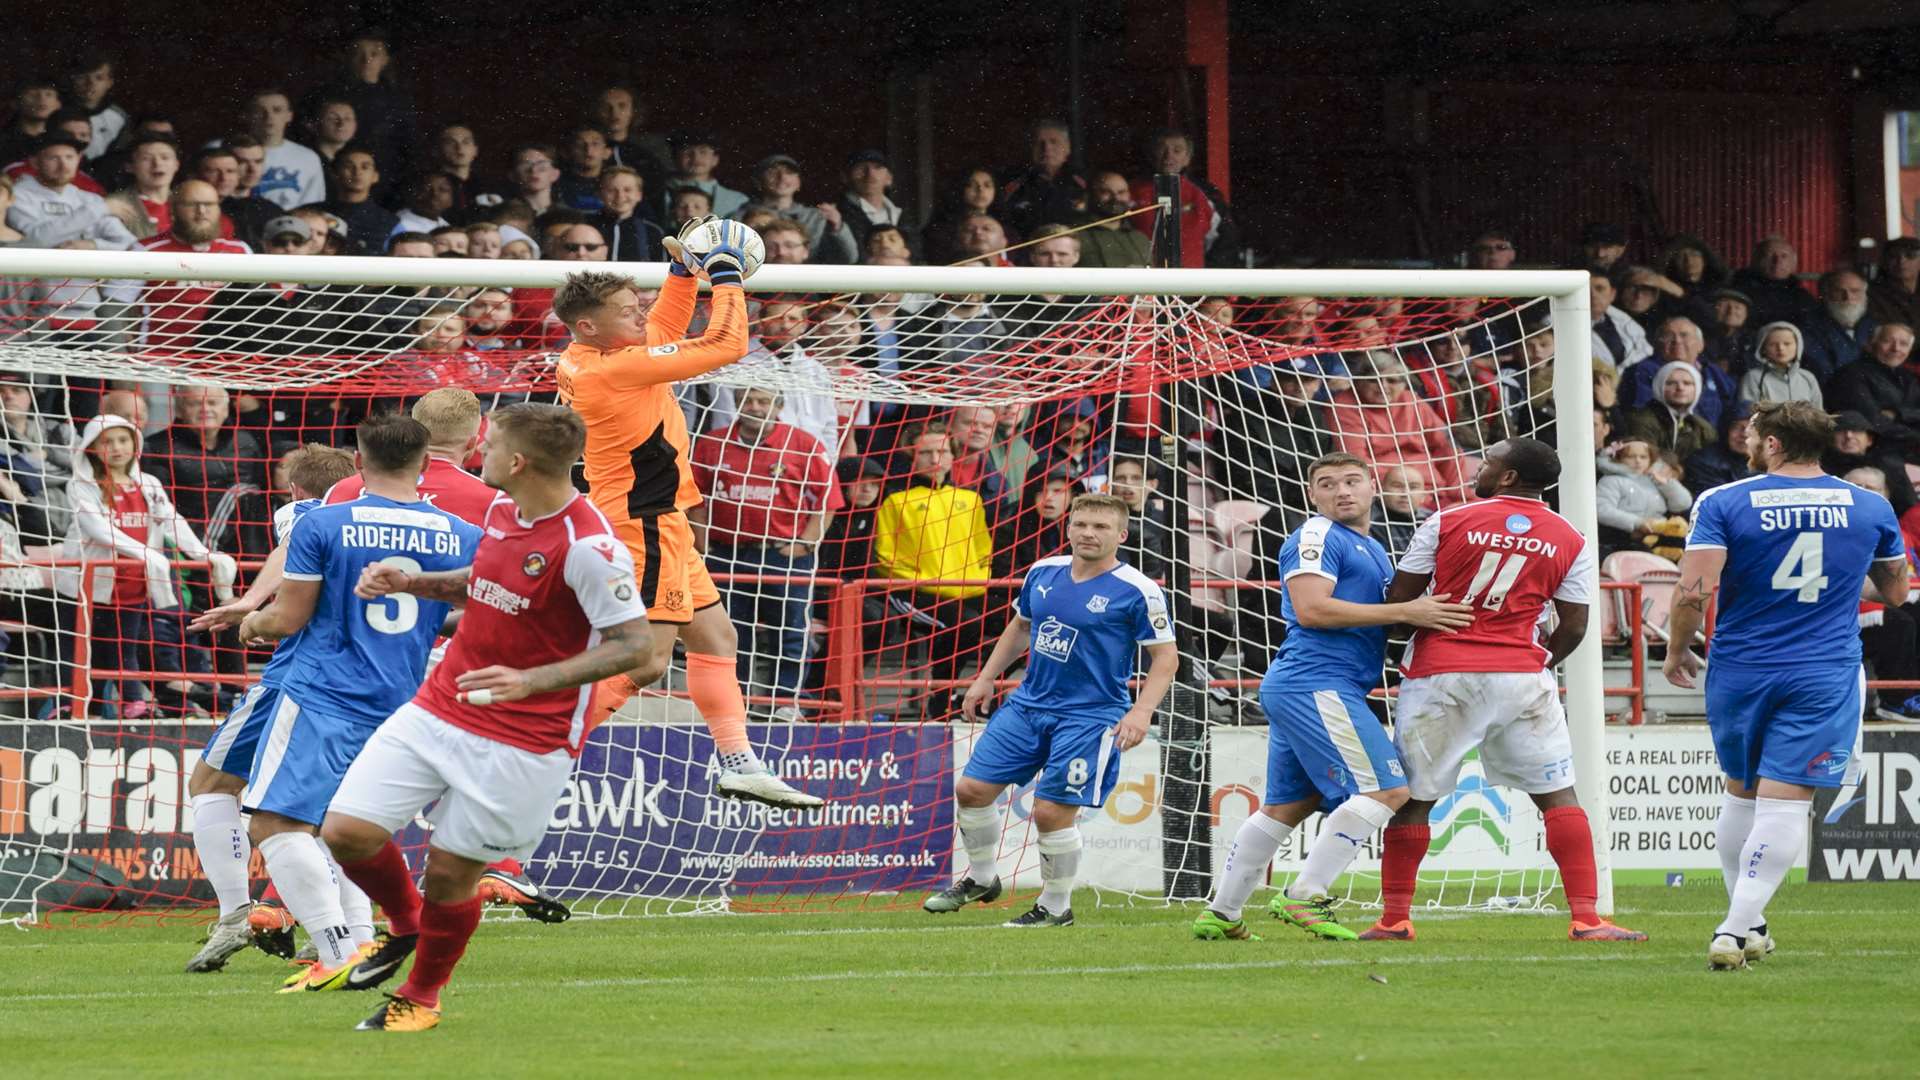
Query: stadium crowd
{"points": [[801, 484]]}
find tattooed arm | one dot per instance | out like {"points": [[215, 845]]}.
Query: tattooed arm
{"points": [[1699, 577], [1886, 582]]}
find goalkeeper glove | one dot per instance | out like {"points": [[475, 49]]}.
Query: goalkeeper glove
{"points": [[680, 261], [726, 263]]}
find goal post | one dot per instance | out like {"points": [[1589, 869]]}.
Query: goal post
{"points": [[636, 832]]}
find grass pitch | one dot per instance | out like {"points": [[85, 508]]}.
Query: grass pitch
{"points": [[1124, 993]]}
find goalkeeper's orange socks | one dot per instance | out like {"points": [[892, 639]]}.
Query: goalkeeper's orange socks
{"points": [[387, 881], [714, 685], [1570, 842], [1406, 845], [444, 932]]}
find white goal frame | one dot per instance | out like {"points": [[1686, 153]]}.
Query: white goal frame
{"points": [[1566, 291]]}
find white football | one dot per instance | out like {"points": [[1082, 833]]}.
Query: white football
{"points": [[702, 240]]}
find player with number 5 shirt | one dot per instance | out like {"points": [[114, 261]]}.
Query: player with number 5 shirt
{"points": [[1490, 687]]}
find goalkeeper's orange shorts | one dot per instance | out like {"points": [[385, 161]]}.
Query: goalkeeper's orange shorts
{"points": [[674, 582]]}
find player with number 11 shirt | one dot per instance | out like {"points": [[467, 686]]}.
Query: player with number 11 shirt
{"points": [[1490, 687]]}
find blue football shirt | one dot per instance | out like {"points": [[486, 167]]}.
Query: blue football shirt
{"points": [[365, 658], [1086, 635], [282, 658], [1798, 550], [1360, 570]]}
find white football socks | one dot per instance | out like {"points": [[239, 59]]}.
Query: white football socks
{"points": [[1730, 834], [298, 864], [1247, 861], [220, 839], [1779, 828], [1059, 865], [356, 907], [980, 835], [1341, 836]]}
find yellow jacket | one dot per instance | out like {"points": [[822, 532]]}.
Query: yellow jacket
{"points": [[934, 533]]}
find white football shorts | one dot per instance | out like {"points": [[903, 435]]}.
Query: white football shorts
{"points": [[1513, 718], [494, 799]]}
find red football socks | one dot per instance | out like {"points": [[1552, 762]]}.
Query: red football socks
{"points": [[386, 879], [1406, 845], [1570, 842], [444, 932]]}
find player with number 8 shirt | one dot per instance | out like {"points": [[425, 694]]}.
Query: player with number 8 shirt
{"points": [[1490, 686]]}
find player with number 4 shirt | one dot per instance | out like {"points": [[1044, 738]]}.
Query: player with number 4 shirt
{"points": [[1490, 686]]}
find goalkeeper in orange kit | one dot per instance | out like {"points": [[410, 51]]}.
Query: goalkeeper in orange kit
{"points": [[618, 374]]}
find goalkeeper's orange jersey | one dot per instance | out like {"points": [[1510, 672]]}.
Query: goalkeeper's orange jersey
{"points": [[637, 462]]}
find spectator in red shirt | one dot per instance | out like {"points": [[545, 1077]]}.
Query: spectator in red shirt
{"points": [[771, 493], [175, 309], [152, 166], [1208, 234]]}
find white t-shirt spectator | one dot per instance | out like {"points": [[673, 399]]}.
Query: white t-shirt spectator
{"points": [[50, 218], [293, 176], [408, 221]]}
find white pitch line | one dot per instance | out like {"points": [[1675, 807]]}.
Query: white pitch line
{"points": [[1633, 955]]}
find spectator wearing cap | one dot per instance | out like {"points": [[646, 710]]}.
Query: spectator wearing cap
{"points": [[867, 203], [1768, 279], [1894, 295], [429, 197], [175, 309], [1776, 373], [1678, 339], [771, 493], [293, 174], [1729, 335], [631, 236], [587, 153], [695, 157], [329, 231], [1046, 189], [35, 98], [73, 124], [1724, 461], [1857, 444], [1208, 232], [1602, 246], [289, 235], [242, 213], [776, 183], [153, 162], [356, 176], [1617, 337], [1838, 330], [1111, 242]]}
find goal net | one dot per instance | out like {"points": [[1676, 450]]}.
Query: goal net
{"points": [[935, 421]]}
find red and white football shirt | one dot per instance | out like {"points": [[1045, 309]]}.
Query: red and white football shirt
{"points": [[541, 592], [1507, 556], [764, 492], [443, 484], [129, 512], [175, 309]]}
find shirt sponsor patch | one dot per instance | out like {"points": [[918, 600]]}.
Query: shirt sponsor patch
{"points": [[664, 350], [1054, 639], [1519, 523], [1800, 497]]}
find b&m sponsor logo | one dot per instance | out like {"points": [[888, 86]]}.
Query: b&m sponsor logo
{"points": [[1054, 639]]}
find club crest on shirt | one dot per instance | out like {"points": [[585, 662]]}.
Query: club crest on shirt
{"points": [[1097, 605], [534, 564]]}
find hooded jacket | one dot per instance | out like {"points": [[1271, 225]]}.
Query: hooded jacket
{"points": [[92, 534], [1764, 382], [1679, 430]]}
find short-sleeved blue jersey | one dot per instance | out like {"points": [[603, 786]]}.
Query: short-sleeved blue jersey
{"points": [[366, 658], [1086, 636], [1360, 570], [282, 658], [1798, 549]]}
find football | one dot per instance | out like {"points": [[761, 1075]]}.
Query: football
{"points": [[702, 240]]}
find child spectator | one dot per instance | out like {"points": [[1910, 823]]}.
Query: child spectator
{"points": [[1777, 374], [1639, 510]]}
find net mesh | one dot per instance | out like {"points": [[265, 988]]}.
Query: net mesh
{"points": [[1201, 412]]}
